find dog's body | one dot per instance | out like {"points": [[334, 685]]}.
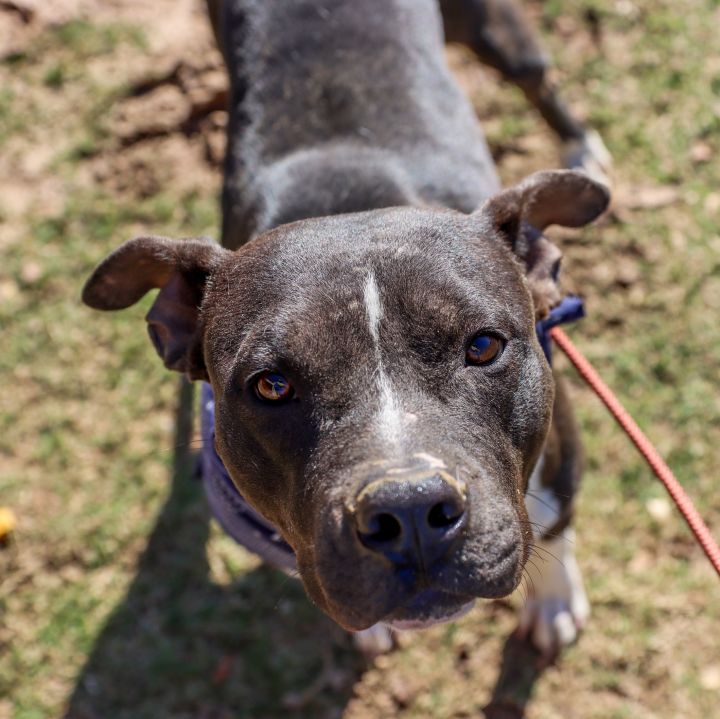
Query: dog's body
{"points": [[350, 108], [341, 107], [381, 396]]}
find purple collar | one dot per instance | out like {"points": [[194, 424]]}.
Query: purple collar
{"points": [[243, 523], [249, 528], [569, 310]]}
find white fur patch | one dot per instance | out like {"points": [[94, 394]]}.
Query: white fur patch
{"points": [[557, 606], [431, 461], [374, 640], [373, 306], [542, 505], [390, 414]]}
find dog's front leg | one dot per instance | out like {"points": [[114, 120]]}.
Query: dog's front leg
{"points": [[557, 607]]}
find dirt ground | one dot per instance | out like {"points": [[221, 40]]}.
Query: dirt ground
{"points": [[121, 599]]}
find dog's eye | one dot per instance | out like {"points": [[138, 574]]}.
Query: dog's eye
{"points": [[273, 387], [483, 350]]}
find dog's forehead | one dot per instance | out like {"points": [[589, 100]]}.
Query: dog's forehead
{"points": [[336, 279], [404, 241]]}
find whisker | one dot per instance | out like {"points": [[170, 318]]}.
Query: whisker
{"points": [[557, 494], [541, 500], [282, 593], [534, 549], [526, 586], [531, 581], [521, 587], [547, 551], [195, 444], [553, 535], [532, 563]]}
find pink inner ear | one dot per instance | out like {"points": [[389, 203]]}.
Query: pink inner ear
{"points": [[172, 322]]}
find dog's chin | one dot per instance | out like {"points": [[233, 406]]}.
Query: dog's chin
{"points": [[429, 607]]}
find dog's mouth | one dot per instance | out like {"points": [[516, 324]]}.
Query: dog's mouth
{"points": [[429, 607]]}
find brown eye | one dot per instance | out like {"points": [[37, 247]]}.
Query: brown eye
{"points": [[483, 350], [273, 387]]}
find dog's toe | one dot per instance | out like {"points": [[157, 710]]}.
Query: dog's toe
{"points": [[374, 640], [551, 624]]}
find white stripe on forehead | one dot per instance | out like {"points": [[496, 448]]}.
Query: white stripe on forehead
{"points": [[389, 417], [373, 306], [390, 414]]}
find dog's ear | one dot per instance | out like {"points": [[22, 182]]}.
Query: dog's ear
{"points": [[521, 213], [179, 269]]}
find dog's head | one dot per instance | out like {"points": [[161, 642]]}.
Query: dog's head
{"points": [[380, 392]]}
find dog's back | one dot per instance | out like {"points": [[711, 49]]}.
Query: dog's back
{"points": [[341, 106]]}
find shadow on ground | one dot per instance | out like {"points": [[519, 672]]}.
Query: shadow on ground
{"points": [[258, 642], [520, 671]]}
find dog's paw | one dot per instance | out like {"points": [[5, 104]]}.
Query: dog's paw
{"points": [[590, 155], [374, 640], [557, 606], [552, 623]]}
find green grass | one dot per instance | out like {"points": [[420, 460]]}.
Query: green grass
{"points": [[118, 595], [81, 39]]}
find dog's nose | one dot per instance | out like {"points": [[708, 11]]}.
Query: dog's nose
{"points": [[411, 520]]}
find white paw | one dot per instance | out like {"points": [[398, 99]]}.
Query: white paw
{"points": [[557, 607], [374, 640], [589, 154], [551, 623]]}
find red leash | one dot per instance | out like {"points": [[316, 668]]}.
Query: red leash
{"points": [[656, 462]]}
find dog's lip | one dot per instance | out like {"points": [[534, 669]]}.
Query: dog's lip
{"points": [[429, 607]]}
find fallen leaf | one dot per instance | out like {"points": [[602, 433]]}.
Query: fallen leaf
{"points": [[701, 152], [222, 669], [648, 198], [7, 523], [710, 677], [8, 290], [30, 273], [712, 203], [658, 508]]}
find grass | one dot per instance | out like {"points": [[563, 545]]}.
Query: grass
{"points": [[120, 599]]}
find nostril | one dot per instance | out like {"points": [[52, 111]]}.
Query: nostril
{"points": [[410, 520], [443, 515], [382, 528]]}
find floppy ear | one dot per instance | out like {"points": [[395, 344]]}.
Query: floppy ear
{"points": [[521, 213], [179, 269]]}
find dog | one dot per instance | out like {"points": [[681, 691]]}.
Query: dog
{"points": [[368, 324]]}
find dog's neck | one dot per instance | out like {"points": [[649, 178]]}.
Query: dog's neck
{"points": [[350, 107], [337, 178]]}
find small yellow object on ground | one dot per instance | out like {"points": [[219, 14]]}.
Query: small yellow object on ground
{"points": [[7, 522]]}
